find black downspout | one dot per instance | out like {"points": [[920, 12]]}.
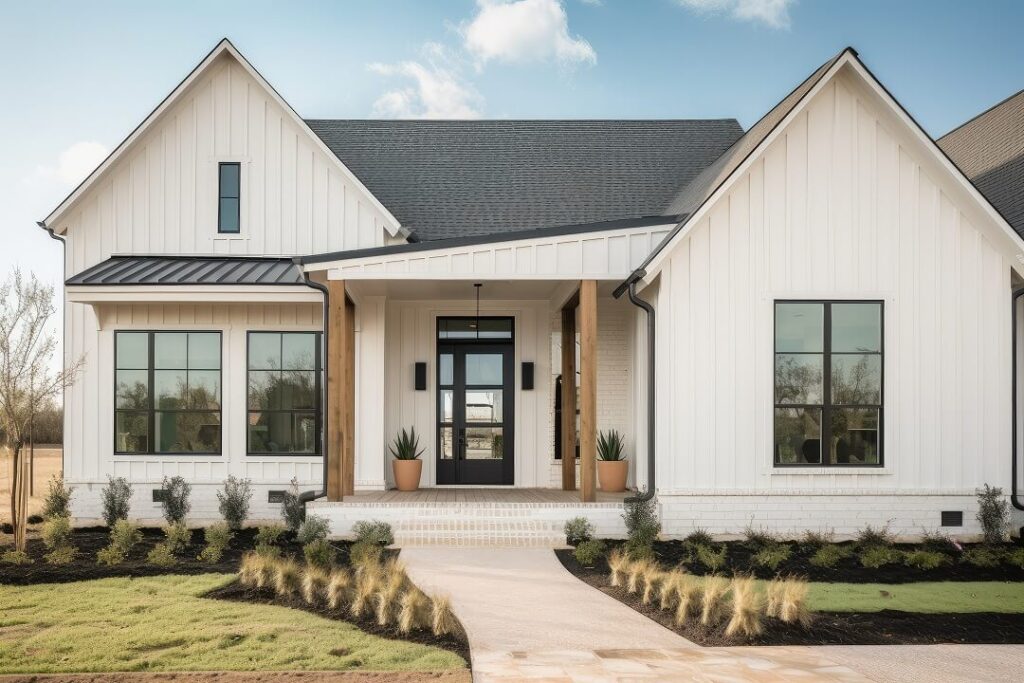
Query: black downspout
{"points": [[308, 496], [648, 493], [1014, 499], [63, 330]]}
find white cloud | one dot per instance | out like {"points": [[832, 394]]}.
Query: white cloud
{"points": [[435, 89], [524, 31], [72, 166], [774, 13]]}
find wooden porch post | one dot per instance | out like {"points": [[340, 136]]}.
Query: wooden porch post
{"points": [[569, 396], [340, 392], [588, 391]]}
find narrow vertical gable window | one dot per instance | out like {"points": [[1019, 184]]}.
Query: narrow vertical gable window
{"points": [[229, 214]]}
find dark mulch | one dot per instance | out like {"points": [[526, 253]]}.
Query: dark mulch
{"points": [[888, 627], [90, 540], [235, 591], [848, 570]]}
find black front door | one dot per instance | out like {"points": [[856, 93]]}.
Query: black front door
{"points": [[475, 404]]}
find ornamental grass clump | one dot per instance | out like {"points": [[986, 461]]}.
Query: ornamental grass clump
{"points": [[926, 559], [233, 501], [256, 570], [578, 530], [870, 537], [115, 499], [651, 578], [369, 578], [390, 592], [747, 607], [414, 610], [587, 553], [442, 618], [698, 536], [363, 552], [287, 577], [688, 595], [667, 588], [124, 536], [635, 573], [339, 588], [816, 540], [319, 553], [314, 584], [618, 566], [787, 601], [713, 600], [217, 537], [756, 539]]}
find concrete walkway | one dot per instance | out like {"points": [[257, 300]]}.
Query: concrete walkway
{"points": [[528, 619]]}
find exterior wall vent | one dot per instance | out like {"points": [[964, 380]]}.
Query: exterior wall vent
{"points": [[275, 496], [159, 495], [952, 518]]}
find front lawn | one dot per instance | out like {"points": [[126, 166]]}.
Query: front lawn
{"points": [[161, 623], [925, 597]]}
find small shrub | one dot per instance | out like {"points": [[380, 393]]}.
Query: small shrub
{"points": [[642, 526], [162, 555], [1015, 558], [116, 500], [287, 578], [442, 618], [772, 556], [414, 610], [233, 501], [15, 557], [755, 539], [58, 498], [870, 537], [314, 584], [363, 553], [828, 556], [787, 601], [588, 552], [268, 537], [175, 503], [981, 557], [699, 537], [618, 564], [747, 607], [217, 537], [124, 536], [993, 513], [937, 541], [926, 559], [578, 530], [712, 559], [56, 532], [61, 555], [319, 553], [178, 536], [313, 528], [713, 603], [377, 533], [878, 556], [814, 540], [339, 588], [292, 509]]}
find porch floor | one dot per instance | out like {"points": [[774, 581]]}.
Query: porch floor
{"points": [[479, 495]]}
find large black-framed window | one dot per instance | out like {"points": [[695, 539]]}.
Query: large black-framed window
{"points": [[284, 387], [167, 392], [229, 194], [828, 383]]}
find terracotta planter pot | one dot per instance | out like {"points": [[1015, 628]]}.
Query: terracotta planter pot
{"points": [[407, 474], [611, 475]]}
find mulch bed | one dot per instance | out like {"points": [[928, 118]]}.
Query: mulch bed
{"points": [[848, 570], [90, 540], [888, 627], [235, 591]]}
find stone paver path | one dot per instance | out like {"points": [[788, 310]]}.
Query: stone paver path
{"points": [[528, 619]]}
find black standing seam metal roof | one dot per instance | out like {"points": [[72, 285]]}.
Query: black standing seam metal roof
{"points": [[191, 270], [458, 179]]}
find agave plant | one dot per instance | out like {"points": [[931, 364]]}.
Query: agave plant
{"points": [[609, 445], [406, 445]]}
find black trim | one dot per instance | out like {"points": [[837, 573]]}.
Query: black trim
{"points": [[318, 387], [493, 238], [151, 411], [1014, 493], [826, 407], [221, 196]]}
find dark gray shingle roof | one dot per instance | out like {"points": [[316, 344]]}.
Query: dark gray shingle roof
{"points": [[190, 270], [989, 149], [445, 179]]}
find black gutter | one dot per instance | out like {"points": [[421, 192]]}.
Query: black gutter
{"points": [[630, 286], [1014, 499], [307, 496]]}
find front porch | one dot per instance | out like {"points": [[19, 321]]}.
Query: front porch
{"points": [[462, 516]]}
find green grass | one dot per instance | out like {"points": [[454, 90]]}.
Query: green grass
{"points": [[944, 596], [161, 624]]}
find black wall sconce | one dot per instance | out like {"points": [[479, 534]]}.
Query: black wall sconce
{"points": [[421, 376], [527, 376]]}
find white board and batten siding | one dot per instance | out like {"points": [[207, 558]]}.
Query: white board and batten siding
{"points": [[843, 204]]}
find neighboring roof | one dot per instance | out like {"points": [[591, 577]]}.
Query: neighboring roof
{"points": [[516, 236], [453, 179], [190, 270], [989, 149]]}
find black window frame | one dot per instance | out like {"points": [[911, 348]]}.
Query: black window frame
{"points": [[152, 410], [827, 405], [222, 196], [318, 387]]}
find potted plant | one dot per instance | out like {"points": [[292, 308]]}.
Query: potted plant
{"points": [[407, 465], [612, 467]]}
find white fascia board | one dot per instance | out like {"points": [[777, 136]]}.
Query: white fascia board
{"points": [[157, 294], [224, 46]]}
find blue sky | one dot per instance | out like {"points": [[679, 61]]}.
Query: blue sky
{"points": [[77, 77]]}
